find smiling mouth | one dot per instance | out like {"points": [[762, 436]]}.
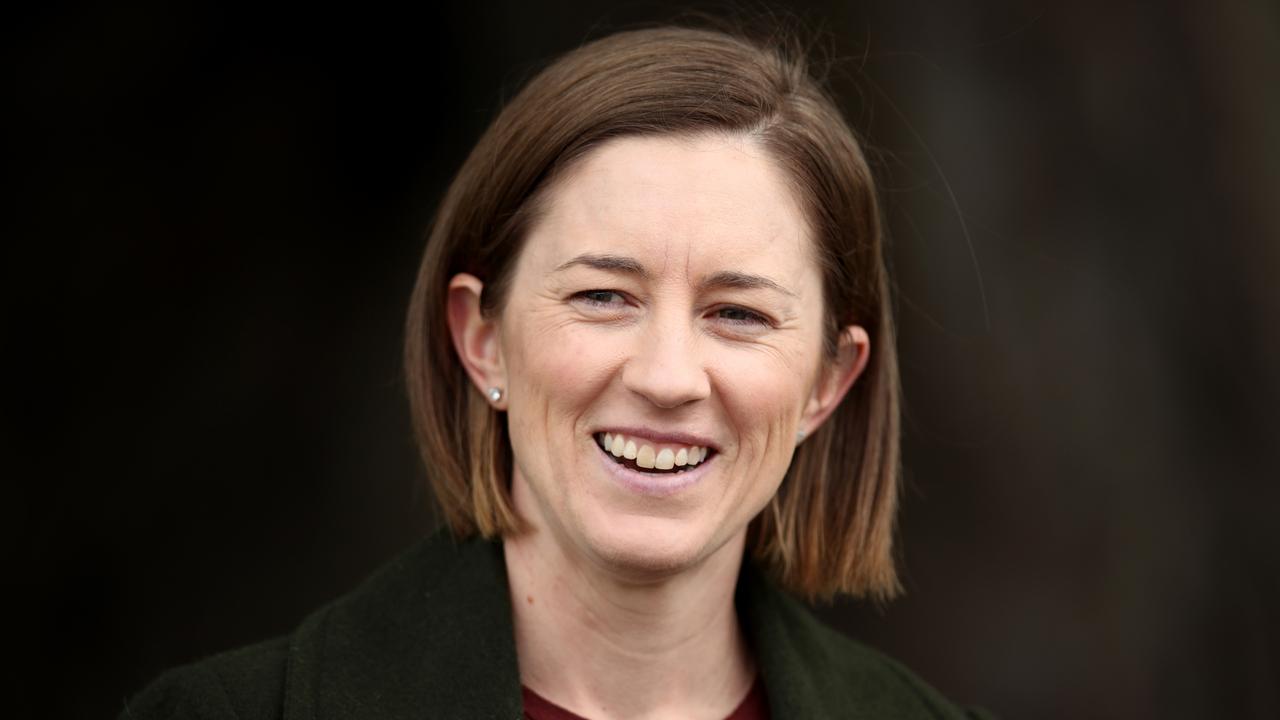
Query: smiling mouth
{"points": [[645, 457]]}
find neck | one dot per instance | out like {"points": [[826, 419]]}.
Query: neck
{"points": [[602, 646]]}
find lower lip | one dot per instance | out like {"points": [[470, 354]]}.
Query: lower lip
{"points": [[653, 484]]}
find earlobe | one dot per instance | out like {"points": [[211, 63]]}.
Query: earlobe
{"points": [[475, 337], [836, 378]]}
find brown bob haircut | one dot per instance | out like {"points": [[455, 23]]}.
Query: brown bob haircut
{"points": [[830, 527]]}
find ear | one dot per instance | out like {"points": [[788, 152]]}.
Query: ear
{"points": [[475, 337], [836, 377]]}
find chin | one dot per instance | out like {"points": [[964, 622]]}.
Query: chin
{"points": [[637, 539], [641, 546]]}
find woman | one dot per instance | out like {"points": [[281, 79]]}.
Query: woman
{"points": [[651, 364]]}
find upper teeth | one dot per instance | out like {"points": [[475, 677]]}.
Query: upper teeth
{"points": [[646, 456]]}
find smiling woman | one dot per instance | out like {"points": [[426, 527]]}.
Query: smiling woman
{"points": [[705, 336], [651, 364]]}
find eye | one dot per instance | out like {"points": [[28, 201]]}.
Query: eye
{"points": [[742, 316], [601, 298]]}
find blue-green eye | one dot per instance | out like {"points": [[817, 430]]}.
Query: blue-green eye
{"points": [[600, 298], [741, 316]]}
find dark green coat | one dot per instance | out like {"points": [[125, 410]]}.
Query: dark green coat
{"points": [[430, 636]]}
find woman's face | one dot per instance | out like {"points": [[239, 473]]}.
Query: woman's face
{"points": [[666, 306]]}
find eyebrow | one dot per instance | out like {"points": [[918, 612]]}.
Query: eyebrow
{"points": [[743, 281], [731, 279], [608, 263]]}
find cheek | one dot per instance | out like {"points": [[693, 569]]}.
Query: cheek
{"points": [[764, 394], [554, 369]]}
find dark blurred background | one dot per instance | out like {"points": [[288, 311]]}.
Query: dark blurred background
{"points": [[214, 225]]}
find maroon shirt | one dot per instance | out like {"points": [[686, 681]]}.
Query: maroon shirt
{"points": [[752, 707]]}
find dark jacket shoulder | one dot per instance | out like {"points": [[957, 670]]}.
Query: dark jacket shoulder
{"points": [[430, 630], [813, 669], [247, 683]]}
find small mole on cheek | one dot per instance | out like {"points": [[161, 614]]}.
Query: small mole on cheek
{"points": [[529, 598]]}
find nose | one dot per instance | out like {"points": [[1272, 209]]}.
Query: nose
{"points": [[665, 366]]}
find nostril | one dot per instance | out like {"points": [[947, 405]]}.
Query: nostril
{"points": [[667, 389]]}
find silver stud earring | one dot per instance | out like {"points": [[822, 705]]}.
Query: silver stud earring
{"points": [[800, 436], [495, 394]]}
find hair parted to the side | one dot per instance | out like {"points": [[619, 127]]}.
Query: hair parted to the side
{"points": [[830, 527]]}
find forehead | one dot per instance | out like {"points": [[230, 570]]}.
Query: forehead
{"points": [[699, 203]]}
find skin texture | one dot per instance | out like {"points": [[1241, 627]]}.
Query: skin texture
{"points": [[623, 599]]}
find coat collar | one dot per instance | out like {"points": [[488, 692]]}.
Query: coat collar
{"points": [[431, 635]]}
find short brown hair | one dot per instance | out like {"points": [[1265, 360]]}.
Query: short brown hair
{"points": [[830, 527]]}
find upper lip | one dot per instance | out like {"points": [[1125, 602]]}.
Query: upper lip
{"points": [[662, 436]]}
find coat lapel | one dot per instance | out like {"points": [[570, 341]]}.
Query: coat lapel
{"points": [[797, 681], [812, 671], [428, 636]]}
